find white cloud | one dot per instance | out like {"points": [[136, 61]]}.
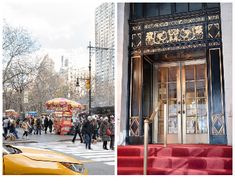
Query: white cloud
{"points": [[63, 27]]}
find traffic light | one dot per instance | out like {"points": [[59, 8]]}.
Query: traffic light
{"points": [[88, 84]]}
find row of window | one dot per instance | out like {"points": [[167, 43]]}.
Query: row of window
{"points": [[141, 10]]}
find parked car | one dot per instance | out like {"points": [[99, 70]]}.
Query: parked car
{"points": [[20, 160]]}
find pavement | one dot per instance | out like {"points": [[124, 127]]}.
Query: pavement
{"points": [[49, 137]]}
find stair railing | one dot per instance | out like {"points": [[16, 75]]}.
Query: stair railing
{"points": [[147, 121]]}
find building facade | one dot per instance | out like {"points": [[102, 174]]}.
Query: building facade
{"points": [[175, 59], [104, 38]]}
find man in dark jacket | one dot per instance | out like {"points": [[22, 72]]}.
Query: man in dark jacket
{"points": [[46, 124], [87, 131], [50, 123], [77, 126]]}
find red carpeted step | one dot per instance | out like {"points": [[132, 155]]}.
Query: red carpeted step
{"points": [[176, 160], [169, 171]]}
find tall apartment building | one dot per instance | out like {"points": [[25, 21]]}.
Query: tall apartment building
{"points": [[104, 38]]}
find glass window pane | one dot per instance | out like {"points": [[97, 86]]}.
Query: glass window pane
{"points": [[162, 74], [201, 107], [172, 74], [151, 9], [191, 107], [189, 72], [190, 90], [172, 90], [195, 6], [212, 5], [201, 89], [137, 10], [202, 124], [181, 7], [165, 8], [200, 71], [172, 108], [191, 125], [162, 91], [173, 125]]}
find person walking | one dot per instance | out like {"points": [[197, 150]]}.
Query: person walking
{"points": [[6, 124], [77, 125], [87, 131], [112, 129], [12, 128], [25, 125], [46, 124], [104, 132], [50, 123], [38, 126]]}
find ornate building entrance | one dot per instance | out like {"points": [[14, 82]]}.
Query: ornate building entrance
{"points": [[175, 59], [182, 87]]}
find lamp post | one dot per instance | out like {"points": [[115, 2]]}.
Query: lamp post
{"points": [[90, 54]]}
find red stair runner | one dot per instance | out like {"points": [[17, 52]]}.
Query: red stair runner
{"points": [[176, 160]]}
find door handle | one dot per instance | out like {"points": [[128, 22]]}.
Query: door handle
{"points": [[179, 112], [183, 111], [183, 102], [178, 102]]}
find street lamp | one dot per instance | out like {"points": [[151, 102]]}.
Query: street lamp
{"points": [[90, 48]]}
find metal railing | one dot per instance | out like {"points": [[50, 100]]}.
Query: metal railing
{"points": [[146, 135]]}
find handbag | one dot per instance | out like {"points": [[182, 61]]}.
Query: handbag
{"points": [[108, 132]]}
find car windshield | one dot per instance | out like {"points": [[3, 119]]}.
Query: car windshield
{"points": [[11, 150]]}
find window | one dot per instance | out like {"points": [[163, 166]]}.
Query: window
{"points": [[165, 8], [181, 7], [212, 5], [137, 10], [195, 6], [151, 10]]}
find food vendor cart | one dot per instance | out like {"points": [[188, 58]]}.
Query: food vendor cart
{"points": [[63, 113]]}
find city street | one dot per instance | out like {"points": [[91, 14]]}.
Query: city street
{"points": [[97, 160]]}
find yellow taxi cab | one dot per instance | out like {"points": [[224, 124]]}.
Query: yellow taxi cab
{"points": [[20, 160]]}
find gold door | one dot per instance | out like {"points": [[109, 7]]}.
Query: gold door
{"points": [[182, 87]]}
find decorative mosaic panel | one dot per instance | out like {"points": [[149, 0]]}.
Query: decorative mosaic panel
{"points": [[213, 17], [134, 126], [136, 28], [174, 35], [218, 124], [136, 40], [174, 23], [214, 30]]}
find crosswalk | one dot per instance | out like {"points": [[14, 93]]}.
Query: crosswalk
{"points": [[97, 154]]}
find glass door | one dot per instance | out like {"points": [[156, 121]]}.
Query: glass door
{"points": [[182, 87]]}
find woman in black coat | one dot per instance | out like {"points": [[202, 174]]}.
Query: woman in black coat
{"points": [[87, 131]]}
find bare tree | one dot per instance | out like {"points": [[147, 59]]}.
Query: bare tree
{"points": [[17, 43], [18, 66]]}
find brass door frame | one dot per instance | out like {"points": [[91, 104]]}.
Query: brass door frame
{"points": [[181, 105]]}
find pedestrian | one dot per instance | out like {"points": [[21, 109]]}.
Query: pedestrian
{"points": [[87, 130], [45, 124], [6, 125], [104, 132], [77, 126], [12, 128], [112, 129], [38, 125], [25, 125], [50, 123]]}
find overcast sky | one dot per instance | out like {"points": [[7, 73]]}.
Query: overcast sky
{"points": [[62, 27]]}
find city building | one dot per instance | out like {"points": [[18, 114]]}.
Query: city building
{"points": [[178, 55], [104, 69]]}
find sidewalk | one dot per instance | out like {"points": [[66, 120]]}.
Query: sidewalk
{"points": [[39, 138]]}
